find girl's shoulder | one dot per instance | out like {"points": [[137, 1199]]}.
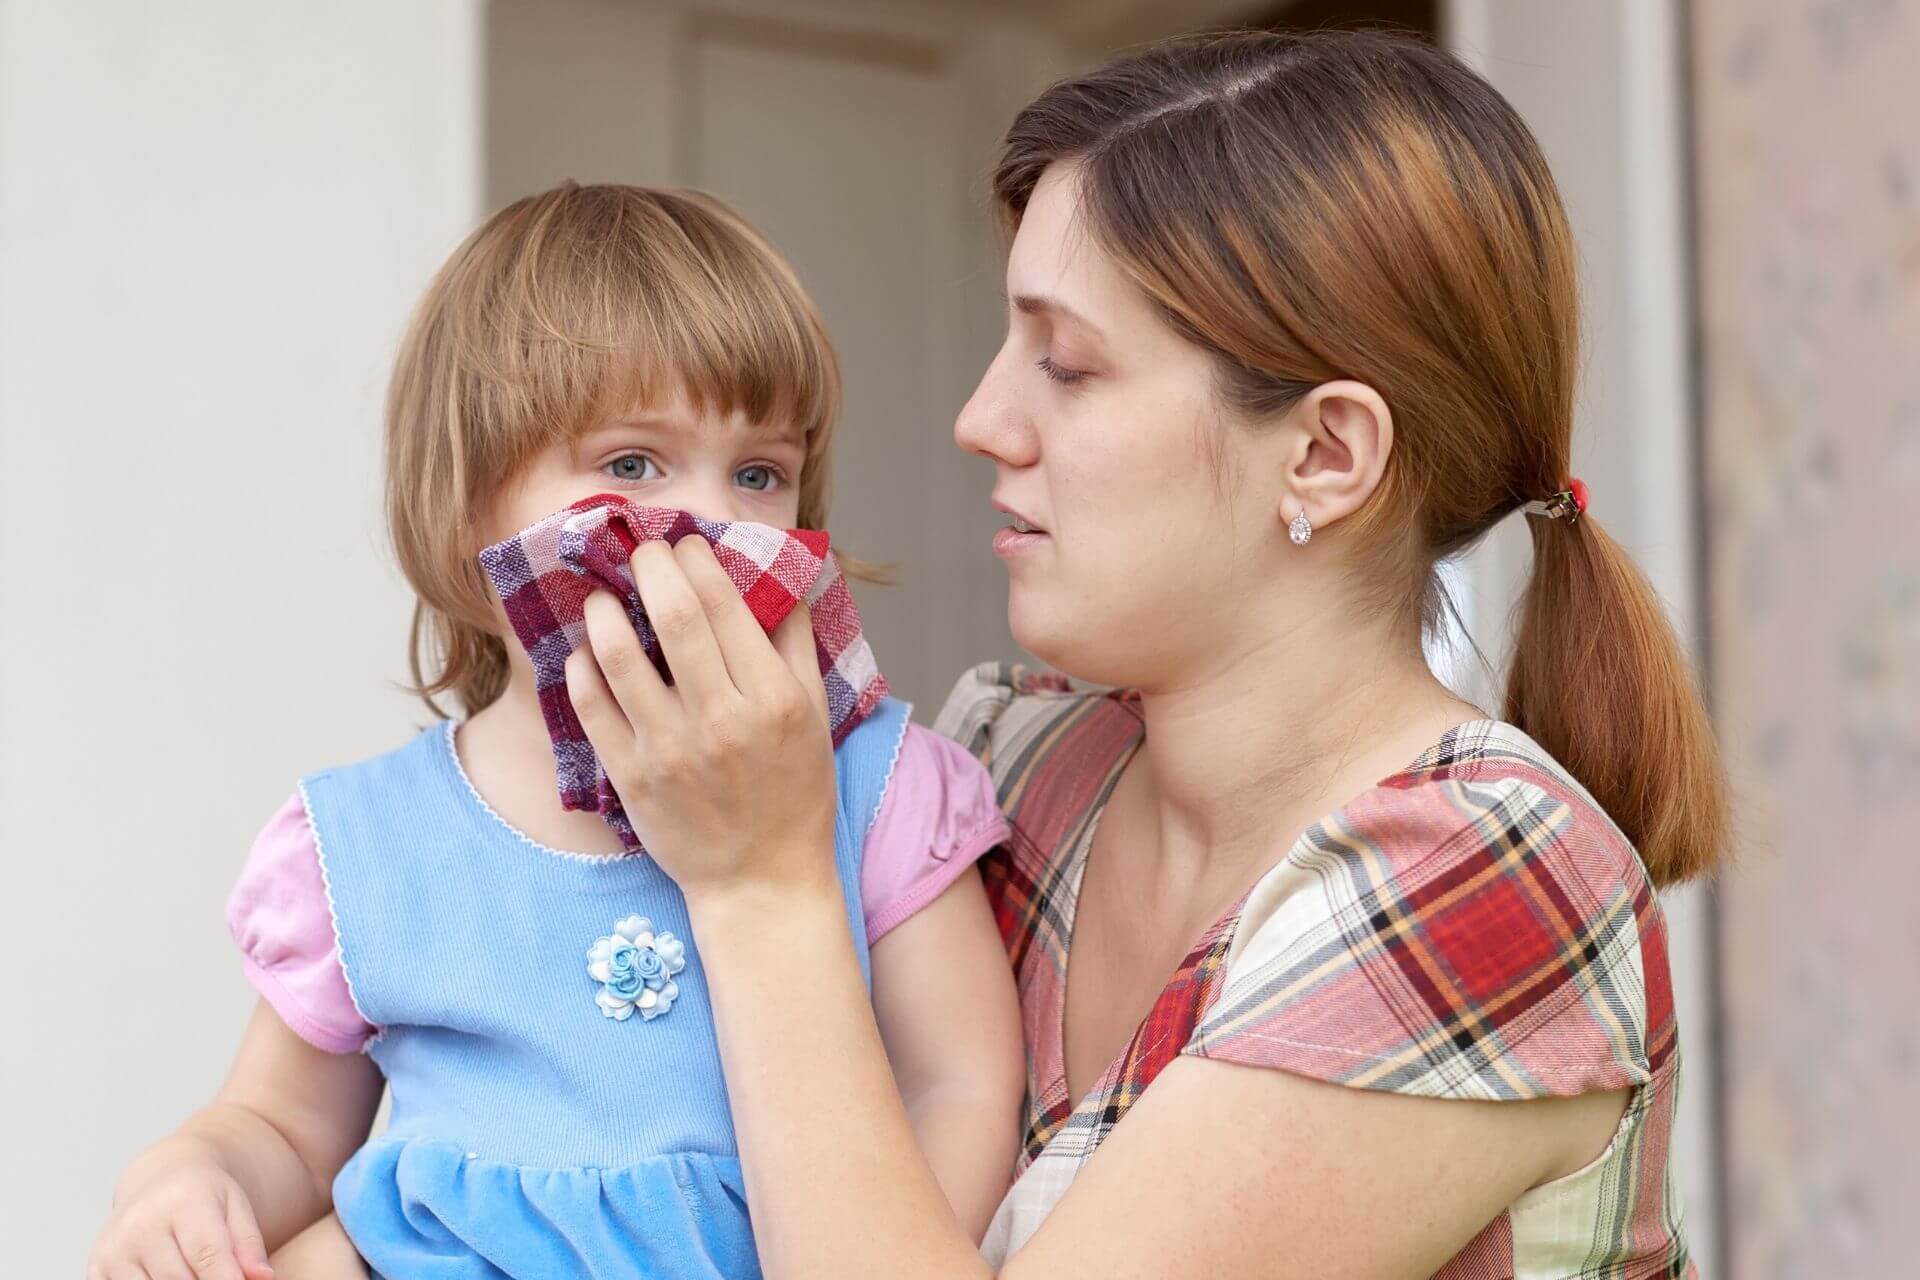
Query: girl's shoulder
{"points": [[939, 815], [280, 916]]}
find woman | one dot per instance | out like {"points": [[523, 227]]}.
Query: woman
{"points": [[1291, 319]]}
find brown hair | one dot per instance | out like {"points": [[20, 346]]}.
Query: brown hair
{"points": [[561, 309], [1328, 205]]}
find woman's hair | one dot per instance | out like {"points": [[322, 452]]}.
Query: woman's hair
{"points": [[562, 309], [1335, 205]]}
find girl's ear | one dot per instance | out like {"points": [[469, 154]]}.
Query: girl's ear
{"points": [[1341, 434]]}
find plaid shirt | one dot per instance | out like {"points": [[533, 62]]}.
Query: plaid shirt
{"points": [[1473, 927], [545, 573]]}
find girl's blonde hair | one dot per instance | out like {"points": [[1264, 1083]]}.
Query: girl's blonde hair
{"points": [[562, 309]]}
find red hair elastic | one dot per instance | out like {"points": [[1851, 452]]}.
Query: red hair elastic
{"points": [[1570, 502]]}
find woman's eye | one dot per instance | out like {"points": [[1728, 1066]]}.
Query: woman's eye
{"points": [[633, 466], [1058, 373], [760, 479]]}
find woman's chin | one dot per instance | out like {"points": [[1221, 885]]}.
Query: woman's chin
{"points": [[1042, 630], [1071, 643]]}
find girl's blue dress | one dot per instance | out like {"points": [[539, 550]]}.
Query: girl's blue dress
{"points": [[537, 1130]]}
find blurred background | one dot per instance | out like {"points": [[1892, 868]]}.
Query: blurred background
{"points": [[215, 215]]}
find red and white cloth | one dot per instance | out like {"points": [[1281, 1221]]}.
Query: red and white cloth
{"points": [[545, 573]]}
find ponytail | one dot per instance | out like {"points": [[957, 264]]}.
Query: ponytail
{"points": [[1600, 681]]}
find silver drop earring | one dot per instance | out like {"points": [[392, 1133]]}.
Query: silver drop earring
{"points": [[1301, 530]]}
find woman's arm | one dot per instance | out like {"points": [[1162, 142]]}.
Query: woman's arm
{"points": [[246, 1173], [948, 1014], [1219, 1169]]}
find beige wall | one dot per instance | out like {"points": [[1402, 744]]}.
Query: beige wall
{"points": [[1810, 222]]}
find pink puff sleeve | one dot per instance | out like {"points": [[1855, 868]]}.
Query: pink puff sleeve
{"points": [[282, 922], [938, 816]]}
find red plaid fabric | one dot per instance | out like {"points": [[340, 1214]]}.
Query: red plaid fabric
{"points": [[1472, 928], [544, 574]]}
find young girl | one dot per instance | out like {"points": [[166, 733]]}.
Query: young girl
{"points": [[434, 918]]}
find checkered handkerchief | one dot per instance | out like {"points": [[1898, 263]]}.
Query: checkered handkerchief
{"points": [[545, 572]]}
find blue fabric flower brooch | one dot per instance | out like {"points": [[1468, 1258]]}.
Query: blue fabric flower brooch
{"points": [[634, 967]]}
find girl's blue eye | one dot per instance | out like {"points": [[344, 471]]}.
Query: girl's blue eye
{"points": [[633, 466], [1057, 373], [759, 479]]}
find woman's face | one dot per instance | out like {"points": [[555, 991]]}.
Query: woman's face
{"points": [[1155, 511]]}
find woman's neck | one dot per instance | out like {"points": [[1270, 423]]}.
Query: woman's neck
{"points": [[1261, 744]]}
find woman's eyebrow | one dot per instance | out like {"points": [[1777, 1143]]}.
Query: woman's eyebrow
{"points": [[1039, 304]]}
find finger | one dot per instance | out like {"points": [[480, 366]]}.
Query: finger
{"points": [[249, 1246], [686, 637], [105, 1265], [616, 654], [601, 718], [165, 1262], [204, 1244], [751, 660], [800, 652]]}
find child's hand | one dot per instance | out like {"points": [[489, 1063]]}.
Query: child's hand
{"points": [[727, 775], [188, 1222]]}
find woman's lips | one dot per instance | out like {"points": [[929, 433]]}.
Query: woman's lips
{"points": [[1011, 542], [1023, 535]]}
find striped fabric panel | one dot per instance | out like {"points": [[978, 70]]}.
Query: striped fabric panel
{"points": [[1054, 756]]}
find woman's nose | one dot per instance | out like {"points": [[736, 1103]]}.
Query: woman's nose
{"points": [[992, 424]]}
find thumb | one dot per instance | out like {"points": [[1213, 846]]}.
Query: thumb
{"points": [[249, 1248]]}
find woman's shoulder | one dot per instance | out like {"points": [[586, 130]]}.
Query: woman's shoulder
{"points": [[983, 695], [1474, 926], [1486, 784], [1010, 716]]}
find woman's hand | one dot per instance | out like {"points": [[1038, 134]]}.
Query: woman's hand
{"points": [[727, 775]]}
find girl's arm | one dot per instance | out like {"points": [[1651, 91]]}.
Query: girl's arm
{"points": [[322, 1252], [248, 1172], [1219, 1169], [947, 1012]]}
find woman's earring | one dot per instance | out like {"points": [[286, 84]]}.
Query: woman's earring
{"points": [[1301, 530]]}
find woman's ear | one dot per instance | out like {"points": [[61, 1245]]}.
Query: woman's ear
{"points": [[1342, 433]]}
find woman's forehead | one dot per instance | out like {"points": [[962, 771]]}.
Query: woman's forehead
{"points": [[1058, 266]]}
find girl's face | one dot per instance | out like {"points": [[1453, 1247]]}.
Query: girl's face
{"points": [[1156, 511], [717, 467]]}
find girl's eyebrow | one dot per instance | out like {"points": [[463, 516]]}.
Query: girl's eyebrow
{"points": [[786, 433]]}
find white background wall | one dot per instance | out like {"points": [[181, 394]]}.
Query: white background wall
{"points": [[213, 219]]}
